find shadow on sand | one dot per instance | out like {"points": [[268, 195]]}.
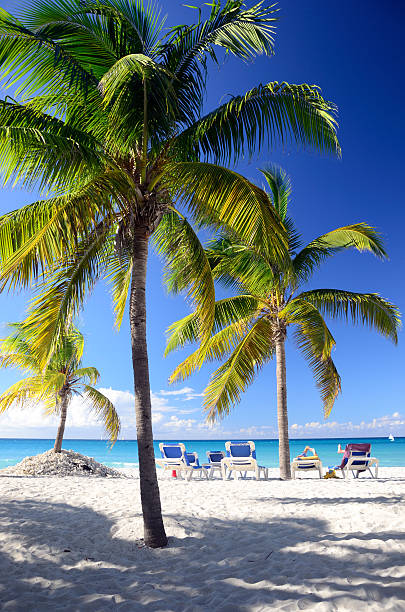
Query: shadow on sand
{"points": [[73, 559]]}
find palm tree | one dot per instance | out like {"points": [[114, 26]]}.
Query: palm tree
{"points": [[55, 386], [251, 327], [115, 131]]}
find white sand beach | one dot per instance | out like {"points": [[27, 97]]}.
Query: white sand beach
{"points": [[74, 544]]}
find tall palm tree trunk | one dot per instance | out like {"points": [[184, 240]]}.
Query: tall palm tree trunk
{"points": [[61, 429], [282, 416], [154, 531]]}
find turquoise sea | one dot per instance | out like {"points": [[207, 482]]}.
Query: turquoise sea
{"points": [[125, 452]]}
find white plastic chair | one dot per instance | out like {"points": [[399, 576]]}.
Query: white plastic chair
{"points": [[215, 462], [241, 457], [306, 465], [358, 462]]}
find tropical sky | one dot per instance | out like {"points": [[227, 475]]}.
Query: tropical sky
{"points": [[353, 51]]}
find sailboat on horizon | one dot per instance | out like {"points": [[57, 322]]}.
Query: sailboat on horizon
{"points": [[391, 438]]}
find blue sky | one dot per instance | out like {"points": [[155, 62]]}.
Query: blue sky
{"points": [[353, 51]]}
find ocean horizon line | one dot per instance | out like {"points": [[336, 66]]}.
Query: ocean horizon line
{"points": [[209, 439]]}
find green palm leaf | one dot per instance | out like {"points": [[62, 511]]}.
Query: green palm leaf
{"points": [[236, 265], [187, 267], [359, 236], [35, 61], [90, 373], [242, 31], [34, 237], [276, 113], [61, 295], [104, 409], [30, 391], [119, 273], [227, 311], [365, 308], [316, 343], [238, 372], [220, 197], [217, 347], [280, 185]]}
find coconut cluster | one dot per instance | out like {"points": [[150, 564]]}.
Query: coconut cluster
{"points": [[65, 463]]}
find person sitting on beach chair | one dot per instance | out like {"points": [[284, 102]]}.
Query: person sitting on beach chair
{"points": [[357, 459]]}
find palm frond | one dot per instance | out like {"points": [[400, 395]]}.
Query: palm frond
{"points": [[227, 311], [118, 274], [98, 33], [68, 351], [38, 159], [217, 347], [16, 351], [302, 312], [22, 361], [276, 113], [316, 342], [243, 32], [324, 370], [280, 185], [359, 236], [36, 62], [234, 264], [365, 308], [30, 391], [122, 88], [90, 373], [63, 292], [105, 410], [231, 379], [220, 197], [35, 236], [187, 267]]}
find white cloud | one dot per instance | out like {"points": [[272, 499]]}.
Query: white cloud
{"points": [[157, 417], [182, 391], [176, 423], [379, 426], [188, 393], [83, 423], [170, 420]]}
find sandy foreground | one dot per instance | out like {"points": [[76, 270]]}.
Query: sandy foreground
{"points": [[74, 543]]}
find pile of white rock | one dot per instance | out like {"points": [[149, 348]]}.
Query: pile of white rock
{"points": [[65, 463]]}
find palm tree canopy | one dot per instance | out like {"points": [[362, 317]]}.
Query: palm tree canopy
{"points": [[109, 125], [269, 301], [64, 374]]}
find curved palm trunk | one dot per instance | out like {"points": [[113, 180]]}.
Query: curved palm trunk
{"points": [[154, 531], [61, 429], [282, 416]]}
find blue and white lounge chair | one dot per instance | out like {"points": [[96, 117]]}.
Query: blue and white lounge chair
{"points": [[241, 457], [215, 462], [306, 464], [175, 457], [356, 459]]}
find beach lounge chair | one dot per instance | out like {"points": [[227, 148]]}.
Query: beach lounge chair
{"points": [[214, 462], [175, 457], [357, 459], [306, 464], [241, 457]]}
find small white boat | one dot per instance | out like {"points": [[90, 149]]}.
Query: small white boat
{"points": [[391, 438]]}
